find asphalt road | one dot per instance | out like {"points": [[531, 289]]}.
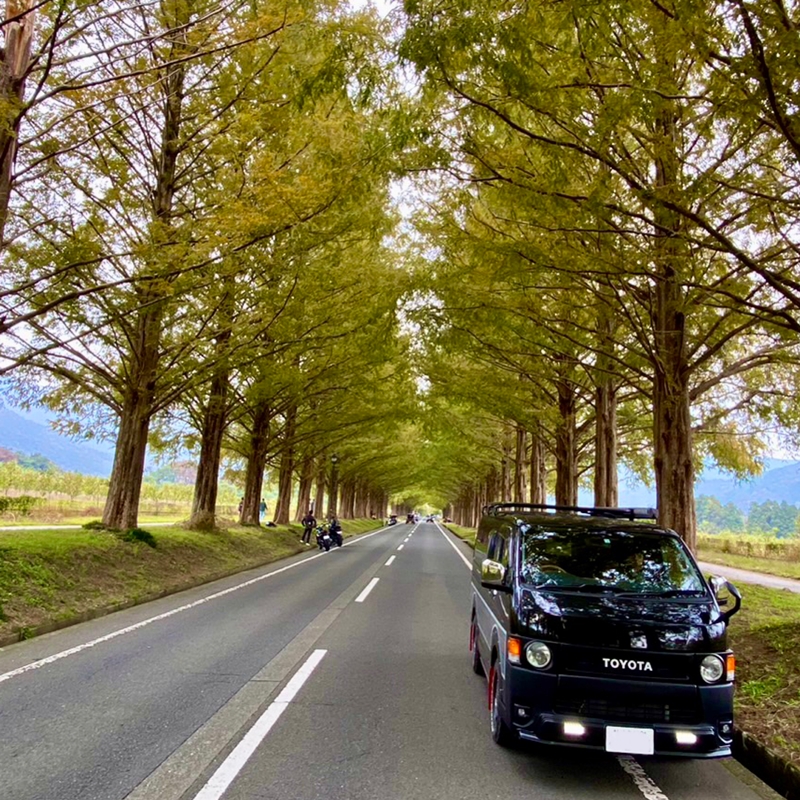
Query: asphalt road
{"points": [[339, 675]]}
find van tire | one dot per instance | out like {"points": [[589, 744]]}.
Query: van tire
{"points": [[501, 733], [477, 665]]}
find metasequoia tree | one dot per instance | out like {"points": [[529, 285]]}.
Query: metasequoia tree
{"points": [[608, 126], [144, 224]]}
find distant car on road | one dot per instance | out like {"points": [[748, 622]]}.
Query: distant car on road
{"points": [[598, 630]]}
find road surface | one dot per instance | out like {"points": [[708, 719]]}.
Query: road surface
{"points": [[341, 675]]}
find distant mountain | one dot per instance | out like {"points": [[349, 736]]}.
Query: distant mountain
{"points": [[28, 437], [780, 481]]}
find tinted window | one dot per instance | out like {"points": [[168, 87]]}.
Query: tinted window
{"points": [[613, 560]]}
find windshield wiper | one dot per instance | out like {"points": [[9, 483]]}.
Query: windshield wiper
{"points": [[597, 588], [667, 593]]}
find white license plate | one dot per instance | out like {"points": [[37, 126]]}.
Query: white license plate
{"points": [[635, 741]]}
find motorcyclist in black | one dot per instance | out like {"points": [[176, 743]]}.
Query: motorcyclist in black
{"points": [[335, 530], [309, 523]]}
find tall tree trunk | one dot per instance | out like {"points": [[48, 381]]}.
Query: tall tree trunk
{"points": [[13, 70], [606, 481], [538, 467], [206, 485], [304, 489], [566, 440], [521, 446], [215, 418], [125, 486], [286, 472], [256, 462], [319, 494], [672, 426]]}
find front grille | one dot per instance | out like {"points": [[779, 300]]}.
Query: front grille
{"points": [[629, 708]]}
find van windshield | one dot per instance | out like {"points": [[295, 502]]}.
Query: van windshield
{"points": [[596, 560]]}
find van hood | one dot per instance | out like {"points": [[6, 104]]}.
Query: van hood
{"points": [[611, 621]]}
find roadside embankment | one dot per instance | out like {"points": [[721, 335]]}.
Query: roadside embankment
{"points": [[765, 635], [59, 576]]}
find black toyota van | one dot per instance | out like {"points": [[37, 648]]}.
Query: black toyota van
{"points": [[597, 629]]}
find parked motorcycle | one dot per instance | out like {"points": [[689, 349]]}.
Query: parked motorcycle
{"points": [[323, 538], [392, 520]]}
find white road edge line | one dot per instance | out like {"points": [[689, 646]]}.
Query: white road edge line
{"points": [[389, 562], [239, 756], [644, 783], [367, 589], [42, 662], [450, 542]]}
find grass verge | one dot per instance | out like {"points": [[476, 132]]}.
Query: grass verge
{"points": [[49, 576], [770, 566], [765, 636]]}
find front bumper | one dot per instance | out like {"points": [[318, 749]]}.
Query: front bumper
{"points": [[537, 705]]}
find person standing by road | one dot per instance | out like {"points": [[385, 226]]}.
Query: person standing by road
{"points": [[262, 510], [309, 523]]}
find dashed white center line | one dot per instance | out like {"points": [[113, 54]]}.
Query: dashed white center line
{"points": [[401, 547], [389, 562], [643, 781], [233, 764], [367, 589]]}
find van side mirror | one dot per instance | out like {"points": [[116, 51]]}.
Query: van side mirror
{"points": [[493, 575], [724, 590]]}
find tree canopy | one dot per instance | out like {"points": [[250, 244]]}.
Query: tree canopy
{"points": [[473, 263]]}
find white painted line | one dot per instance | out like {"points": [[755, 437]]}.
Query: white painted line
{"points": [[401, 547], [130, 628], [643, 781], [460, 554], [240, 754], [389, 562], [406, 539], [367, 589]]}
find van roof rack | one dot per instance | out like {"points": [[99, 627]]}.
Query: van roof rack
{"points": [[496, 509]]}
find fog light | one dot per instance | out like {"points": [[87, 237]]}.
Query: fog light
{"points": [[522, 712], [725, 729], [685, 737], [574, 729]]}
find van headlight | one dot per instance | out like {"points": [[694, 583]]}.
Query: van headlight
{"points": [[712, 668], [538, 655]]}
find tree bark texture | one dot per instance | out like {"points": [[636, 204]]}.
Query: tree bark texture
{"points": [[13, 71], [673, 445], [538, 467], [256, 462], [606, 480], [206, 486], [121, 511], [566, 442], [319, 494], [283, 508], [304, 488], [520, 451]]}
